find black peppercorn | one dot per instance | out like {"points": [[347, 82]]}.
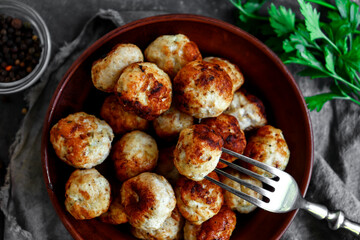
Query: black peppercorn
{"points": [[20, 49]]}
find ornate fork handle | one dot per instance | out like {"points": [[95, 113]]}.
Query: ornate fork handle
{"points": [[335, 219]]}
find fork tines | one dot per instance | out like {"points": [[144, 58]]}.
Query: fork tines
{"points": [[264, 192]]}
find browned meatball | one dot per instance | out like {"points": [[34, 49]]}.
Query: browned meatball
{"points": [[234, 72], [81, 140], [87, 194], [106, 71], [248, 109], [121, 121], [144, 89], [268, 146], [172, 52], [197, 151], [228, 128], [169, 124], [171, 229], [202, 89], [198, 201], [219, 227], [148, 200], [134, 153]]}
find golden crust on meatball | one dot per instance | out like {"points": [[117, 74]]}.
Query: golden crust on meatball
{"points": [[228, 128], [134, 153], [202, 89], [197, 151], [115, 214], [268, 146], [234, 202], [165, 166], [148, 199], [171, 229], [106, 71], [248, 109], [119, 120], [87, 194], [145, 89], [172, 52], [198, 201], [169, 124], [234, 72], [81, 140], [218, 227]]}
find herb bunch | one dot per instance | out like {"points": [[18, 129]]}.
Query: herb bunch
{"points": [[327, 48]]}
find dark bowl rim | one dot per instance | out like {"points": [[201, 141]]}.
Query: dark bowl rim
{"points": [[155, 19]]}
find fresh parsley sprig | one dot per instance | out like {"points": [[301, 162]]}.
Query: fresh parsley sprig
{"points": [[327, 48]]}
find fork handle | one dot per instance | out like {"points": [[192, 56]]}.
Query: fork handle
{"points": [[336, 219]]}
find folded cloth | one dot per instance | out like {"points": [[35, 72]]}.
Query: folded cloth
{"points": [[27, 207]]}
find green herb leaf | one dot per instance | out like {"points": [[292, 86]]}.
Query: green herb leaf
{"points": [[282, 20], [352, 58], [312, 73], [318, 101], [312, 20]]}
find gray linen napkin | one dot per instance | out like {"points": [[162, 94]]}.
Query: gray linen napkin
{"points": [[28, 210]]}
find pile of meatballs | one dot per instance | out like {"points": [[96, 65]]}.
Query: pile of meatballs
{"points": [[163, 125]]}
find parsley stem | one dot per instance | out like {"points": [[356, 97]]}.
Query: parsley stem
{"points": [[239, 6], [322, 3], [335, 76]]}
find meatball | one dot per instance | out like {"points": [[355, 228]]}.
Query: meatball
{"points": [[248, 109], [106, 71], [134, 153], [119, 120], [202, 89], [220, 226], [87, 194], [228, 128], [172, 52], [197, 151], [198, 201], [169, 124], [165, 166], [144, 89], [268, 146], [234, 202], [148, 200], [81, 140], [171, 229], [234, 72]]}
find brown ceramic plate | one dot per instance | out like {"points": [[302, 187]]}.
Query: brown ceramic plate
{"points": [[265, 76]]}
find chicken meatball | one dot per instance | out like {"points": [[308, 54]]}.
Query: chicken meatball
{"points": [[148, 200], [220, 226], [121, 121], [228, 128], [169, 124], [144, 89], [234, 202], [202, 89], [234, 72], [134, 153], [268, 146], [115, 214], [248, 109], [197, 151], [172, 52], [165, 166], [106, 71], [87, 194], [198, 201], [171, 229], [81, 140]]}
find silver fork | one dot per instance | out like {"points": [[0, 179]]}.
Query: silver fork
{"points": [[285, 195]]}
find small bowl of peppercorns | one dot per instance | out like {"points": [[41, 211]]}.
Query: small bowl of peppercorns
{"points": [[25, 46]]}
